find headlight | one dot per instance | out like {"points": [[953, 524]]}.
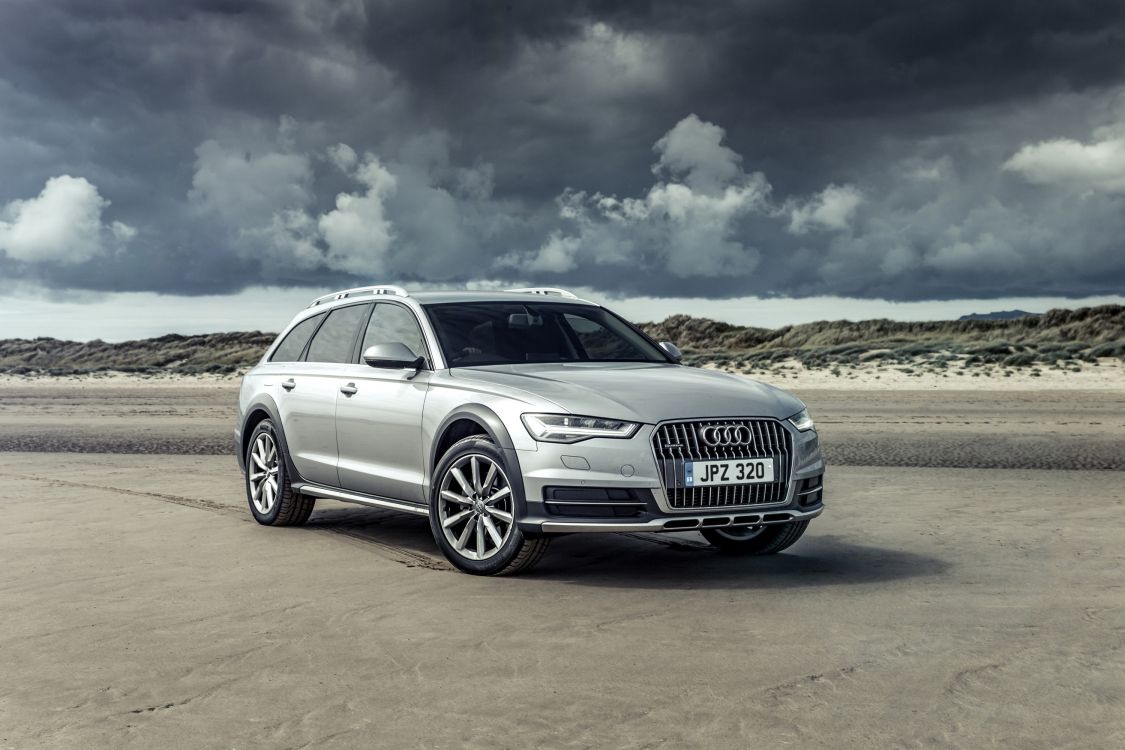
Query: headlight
{"points": [[566, 428], [802, 421]]}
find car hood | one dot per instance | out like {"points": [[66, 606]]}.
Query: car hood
{"points": [[639, 392]]}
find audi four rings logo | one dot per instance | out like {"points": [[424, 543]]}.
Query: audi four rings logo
{"points": [[718, 435]]}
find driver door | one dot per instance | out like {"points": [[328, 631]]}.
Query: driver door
{"points": [[379, 425]]}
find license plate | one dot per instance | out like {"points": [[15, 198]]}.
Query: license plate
{"points": [[744, 471]]}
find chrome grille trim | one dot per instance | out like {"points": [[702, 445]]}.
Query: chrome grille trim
{"points": [[675, 443]]}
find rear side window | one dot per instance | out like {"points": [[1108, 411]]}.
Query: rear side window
{"points": [[393, 324], [290, 348], [335, 339]]}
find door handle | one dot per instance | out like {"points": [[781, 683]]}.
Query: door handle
{"points": [[349, 389], [289, 384]]}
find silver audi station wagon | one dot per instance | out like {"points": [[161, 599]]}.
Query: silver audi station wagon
{"points": [[511, 417]]}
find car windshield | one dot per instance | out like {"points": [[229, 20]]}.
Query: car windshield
{"points": [[502, 333]]}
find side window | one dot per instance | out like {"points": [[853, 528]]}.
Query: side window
{"points": [[392, 323], [290, 348], [599, 343], [334, 341]]}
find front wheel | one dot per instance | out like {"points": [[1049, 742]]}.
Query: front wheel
{"points": [[756, 540], [473, 512], [273, 502]]}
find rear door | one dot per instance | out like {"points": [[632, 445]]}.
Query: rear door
{"points": [[379, 426], [307, 397]]}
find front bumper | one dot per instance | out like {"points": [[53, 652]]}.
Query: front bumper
{"points": [[679, 523], [623, 475]]}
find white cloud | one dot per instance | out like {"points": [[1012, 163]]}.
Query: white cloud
{"points": [[63, 224], [555, 256], [694, 150], [263, 191], [358, 232], [246, 188], [694, 222], [343, 156], [122, 231], [686, 223], [291, 236], [415, 215], [830, 209], [1098, 166], [600, 64]]}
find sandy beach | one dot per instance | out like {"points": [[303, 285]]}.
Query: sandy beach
{"points": [[862, 424], [956, 593]]}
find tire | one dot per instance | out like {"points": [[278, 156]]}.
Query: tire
{"points": [[759, 540], [473, 504], [265, 461]]}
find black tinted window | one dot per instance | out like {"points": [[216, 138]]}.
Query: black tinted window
{"points": [[492, 333], [335, 339], [290, 348], [598, 341], [390, 324]]}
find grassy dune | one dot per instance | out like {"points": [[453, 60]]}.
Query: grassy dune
{"points": [[187, 355], [1059, 339]]}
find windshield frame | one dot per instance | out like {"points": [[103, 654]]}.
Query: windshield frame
{"points": [[644, 342]]}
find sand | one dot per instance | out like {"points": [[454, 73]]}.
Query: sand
{"points": [[1012, 428], [929, 606]]}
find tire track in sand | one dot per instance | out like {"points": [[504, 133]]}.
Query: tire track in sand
{"points": [[409, 558]]}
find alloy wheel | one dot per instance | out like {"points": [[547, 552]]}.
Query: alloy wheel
{"points": [[263, 473], [476, 509]]}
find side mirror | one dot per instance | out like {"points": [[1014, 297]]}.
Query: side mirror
{"points": [[393, 356], [672, 351]]}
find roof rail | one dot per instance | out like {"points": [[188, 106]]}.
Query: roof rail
{"points": [[545, 290], [397, 291]]}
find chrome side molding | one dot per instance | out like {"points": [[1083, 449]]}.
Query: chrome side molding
{"points": [[330, 493]]}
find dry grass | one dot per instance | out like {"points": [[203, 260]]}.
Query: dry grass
{"points": [[187, 355], [1060, 339]]}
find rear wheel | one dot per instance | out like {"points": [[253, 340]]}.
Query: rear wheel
{"points": [[756, 540], [268, 490], [473, 512]]}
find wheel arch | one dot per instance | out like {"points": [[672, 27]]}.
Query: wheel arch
{"points": [[470, 419], [467, 420], [262, 409]]}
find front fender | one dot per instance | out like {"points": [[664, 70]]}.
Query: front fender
{"points": [[264, 404], [497, 432]]}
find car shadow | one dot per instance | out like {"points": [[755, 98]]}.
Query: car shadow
{"points": [[665, 561], [385, 528], [662, 561]]}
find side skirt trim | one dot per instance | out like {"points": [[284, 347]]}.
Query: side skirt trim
{"points": [[330, 493]]}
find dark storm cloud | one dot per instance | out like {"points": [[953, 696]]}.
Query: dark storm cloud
{"points": [[865, 149]]}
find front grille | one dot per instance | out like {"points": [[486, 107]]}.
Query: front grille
{"points": [[676, 443]]}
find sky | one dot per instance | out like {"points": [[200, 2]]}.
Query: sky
{"points": [[213, 165]]}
